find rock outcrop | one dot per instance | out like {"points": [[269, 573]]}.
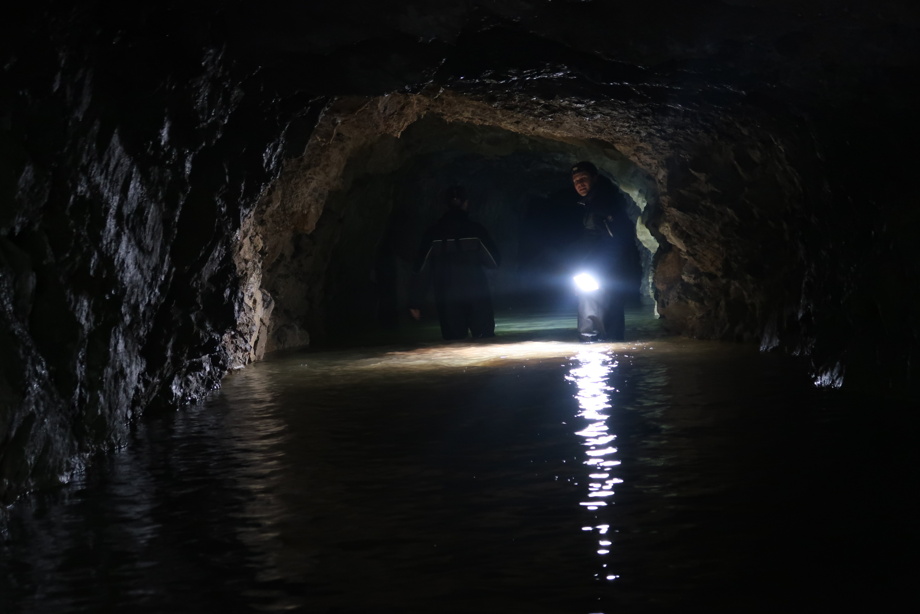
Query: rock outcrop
{"points": [[189, 186]]}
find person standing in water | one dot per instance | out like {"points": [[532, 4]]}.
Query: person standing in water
{"points": [[606, 249], [453, 257]]}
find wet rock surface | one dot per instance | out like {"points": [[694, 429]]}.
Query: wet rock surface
{"points": [[186, 187]]}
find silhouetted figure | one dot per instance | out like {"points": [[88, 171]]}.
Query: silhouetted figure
{"points": [[606, 250], [453, 256]]}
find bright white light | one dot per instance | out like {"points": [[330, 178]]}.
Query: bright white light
{"points": [[594, 430], [598, 441], [591, 374], [586, 283], [610, 450]]}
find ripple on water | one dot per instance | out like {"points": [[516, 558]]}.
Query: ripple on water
{"points": [[504, 476]]}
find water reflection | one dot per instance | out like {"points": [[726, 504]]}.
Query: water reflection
{"points": [[591, 374], [411, 479]]}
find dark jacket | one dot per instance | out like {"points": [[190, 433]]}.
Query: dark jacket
{"points": [[452, 256], [608, 239]]}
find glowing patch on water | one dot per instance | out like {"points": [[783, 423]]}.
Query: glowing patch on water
{"points": [[602, 462], [599, 441], [601, 452], [593, 430], [590, 374], [475, 354]]}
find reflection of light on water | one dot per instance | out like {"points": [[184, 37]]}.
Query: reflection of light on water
{"points": [[446, 356], [479, 354], [590, 375]]}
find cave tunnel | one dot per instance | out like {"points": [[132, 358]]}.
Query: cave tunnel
{"points": [[200, 202], [391, 192]]}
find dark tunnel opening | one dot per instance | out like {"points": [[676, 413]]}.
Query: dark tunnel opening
{"points": [[519, 189]]}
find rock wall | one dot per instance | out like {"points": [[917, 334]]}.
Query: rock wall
{"points": [[177, 182], [130, 152]]}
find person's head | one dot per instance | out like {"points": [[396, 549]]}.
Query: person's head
{"points": [[584, 175], [455, 197]]}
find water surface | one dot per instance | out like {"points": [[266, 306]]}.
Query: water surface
{"points": [[527, 473]]}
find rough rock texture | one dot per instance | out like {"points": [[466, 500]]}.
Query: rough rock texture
{"points": [[127, 171], [420, 143], [187, 186]]}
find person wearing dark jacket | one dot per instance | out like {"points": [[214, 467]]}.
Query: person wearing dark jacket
{"points": [[606, 249], [453, 256]]}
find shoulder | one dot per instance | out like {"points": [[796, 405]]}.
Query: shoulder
{"points": [[608, 194], [607, 188]]}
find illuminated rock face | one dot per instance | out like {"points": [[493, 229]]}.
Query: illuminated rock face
{"points": [[186, 189]]}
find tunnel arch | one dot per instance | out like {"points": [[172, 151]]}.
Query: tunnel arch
{"points": [[377, 162], [720, 200]]}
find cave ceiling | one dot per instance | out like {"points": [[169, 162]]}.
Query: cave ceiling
{"points": [[666, 51], [180, 181]]}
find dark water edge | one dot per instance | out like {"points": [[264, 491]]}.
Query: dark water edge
{"points": [[452, 478]]}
